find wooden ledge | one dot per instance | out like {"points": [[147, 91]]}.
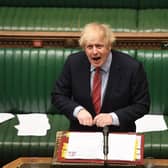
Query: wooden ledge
{"points": [[34, 34], [55, 35], [28, 160], [156, 162], [48, 160], [133, 40]]}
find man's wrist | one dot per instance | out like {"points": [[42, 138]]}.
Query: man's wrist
{"points": [[77, 110], [115, 120]]}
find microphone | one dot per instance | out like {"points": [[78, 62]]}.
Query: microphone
{"points": [[105, 143]]}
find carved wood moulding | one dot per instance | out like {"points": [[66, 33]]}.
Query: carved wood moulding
{"points": [[124, 40]]}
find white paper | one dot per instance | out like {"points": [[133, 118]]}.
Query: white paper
{"points": [[85, 146], [90, 146], [150, 123], [32, 124], [122, 147], [5, 116]]}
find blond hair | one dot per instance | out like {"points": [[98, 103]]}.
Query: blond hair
{"points": [[103, 29]]}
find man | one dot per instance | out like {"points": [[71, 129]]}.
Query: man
{"points": [[123, 89]]}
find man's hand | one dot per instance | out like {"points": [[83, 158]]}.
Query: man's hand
{"points": [[85, 118], [103, 119]]}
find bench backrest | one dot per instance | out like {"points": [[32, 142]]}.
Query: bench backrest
{"points": [[156, 66], [28, 75], [72, 15]]}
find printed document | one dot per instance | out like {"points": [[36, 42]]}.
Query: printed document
{"points": [[150, 123], [5, 116], [34, 124], [90, 146]]}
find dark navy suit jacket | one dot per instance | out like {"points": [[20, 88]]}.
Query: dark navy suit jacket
{"points": [[126, 92]]}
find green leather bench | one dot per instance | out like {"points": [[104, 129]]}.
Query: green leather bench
{"points": [[156, 65], [65, 15], [27, 78]]}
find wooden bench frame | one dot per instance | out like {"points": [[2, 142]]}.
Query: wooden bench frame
{"points": [[128, 40], [48, 160]]}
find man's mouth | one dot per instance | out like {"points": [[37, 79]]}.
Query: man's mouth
{"points": [[96, 58]]}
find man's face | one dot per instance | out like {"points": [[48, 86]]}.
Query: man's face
{"points": [[96, 50]]}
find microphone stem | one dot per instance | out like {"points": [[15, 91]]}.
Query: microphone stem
{"points": [[105, 161], [106, 157], [105, 148]]}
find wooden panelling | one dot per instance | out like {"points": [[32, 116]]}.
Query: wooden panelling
{"points": [[133, 40]]}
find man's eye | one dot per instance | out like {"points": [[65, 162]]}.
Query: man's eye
{"points": [[99, 46], [89, 47]]}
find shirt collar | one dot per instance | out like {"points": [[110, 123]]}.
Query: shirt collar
{"points": [[106, 66]]}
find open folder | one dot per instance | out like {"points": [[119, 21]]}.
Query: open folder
{"points": [[87, 147]]}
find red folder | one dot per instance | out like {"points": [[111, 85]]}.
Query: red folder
{"points": [[64, 139]]}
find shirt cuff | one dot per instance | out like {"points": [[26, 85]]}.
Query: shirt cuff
{"points": [[76, 110], [115, 119]]}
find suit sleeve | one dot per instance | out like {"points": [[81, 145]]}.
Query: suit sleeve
{"points": [[140, 100], [61, 95]]}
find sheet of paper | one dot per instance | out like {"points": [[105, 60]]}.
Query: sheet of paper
{"points": [[90, 146], [85, 146], [32, 124], [150, 123], [5, 116], [122, 147]]}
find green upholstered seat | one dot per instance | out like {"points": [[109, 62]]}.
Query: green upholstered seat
{"points": [[66, 15], [156, 145], [27, 78], [73, 19], [156, 66], [153, 20], [64, 19]]}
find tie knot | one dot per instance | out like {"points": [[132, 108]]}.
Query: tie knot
{"points": [[97, 69]]}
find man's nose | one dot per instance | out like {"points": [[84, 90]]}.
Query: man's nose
{"points": [[94, 49]]}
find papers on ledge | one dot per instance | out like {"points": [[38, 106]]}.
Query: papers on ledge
{"points": [[151, 123], [90, 146], [5, 116], [32, 124]]}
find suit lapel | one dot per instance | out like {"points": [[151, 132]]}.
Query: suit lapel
{"points": [[113, 82], [85, 81]]}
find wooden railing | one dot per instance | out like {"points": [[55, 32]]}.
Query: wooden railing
{"points": [[133, 40], [47, 161]]}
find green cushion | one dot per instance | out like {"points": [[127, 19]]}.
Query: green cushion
{"points": [[64, 19], [153, 20], [27, 77], [66, 15], [156, 144], [156, 66]]}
